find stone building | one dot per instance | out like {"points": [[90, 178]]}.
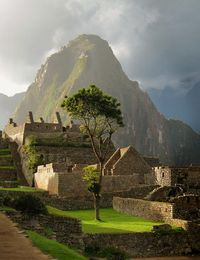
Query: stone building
{"points": [[171, 176], [126, 161], [65, 180], [124, 170], [18, 133]]}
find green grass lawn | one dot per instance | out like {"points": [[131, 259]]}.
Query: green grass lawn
{"points": [[53, 248], [23, 189], [112, 221]]}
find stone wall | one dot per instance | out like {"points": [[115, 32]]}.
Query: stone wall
{"points": [[186, 207], [162, 176], [77, 155], [182, 207], [14, 133], [71, 184], [142, 208], [144, 244], [8, 174], [66, 230], [193, 178], [83, 202], [170, 176]]}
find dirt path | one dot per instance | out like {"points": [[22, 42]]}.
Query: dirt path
{"points": [[14, 245]]}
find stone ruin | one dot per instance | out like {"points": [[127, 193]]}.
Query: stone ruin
{"points": [[18, 133], [124, 170], [187, 177]]}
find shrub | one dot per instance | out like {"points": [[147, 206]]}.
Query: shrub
{"points": [[110, 253], [8, 201], [34, 158], [30, 205]]}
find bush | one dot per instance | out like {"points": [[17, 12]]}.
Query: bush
{"points": [[8, 201], [30, 205], [34, 158], [110, 253]]}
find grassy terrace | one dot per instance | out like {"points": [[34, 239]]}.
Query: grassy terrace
{"points": [[10, 167], [4, 152], [22, 189], [53, 248], [112, 221], [5, 155]]}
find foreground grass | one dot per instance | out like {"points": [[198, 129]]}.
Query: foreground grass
{"points": [[22, 189], [112, 221], [53, 248]]}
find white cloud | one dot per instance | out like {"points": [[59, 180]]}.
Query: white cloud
{"points": [[157, 42]]}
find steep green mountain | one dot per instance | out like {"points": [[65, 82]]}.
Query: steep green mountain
{"points": [[89, 60], [7, 107]]}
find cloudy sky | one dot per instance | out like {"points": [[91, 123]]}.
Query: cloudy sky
{"points": [[156, 41]]}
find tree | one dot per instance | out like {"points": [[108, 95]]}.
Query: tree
{"points": [[99, 116]]}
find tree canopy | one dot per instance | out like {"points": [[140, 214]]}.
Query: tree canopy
{"points": [[99, 116]]}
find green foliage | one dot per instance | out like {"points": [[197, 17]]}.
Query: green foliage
{"points": [[93, 103], [30, 205], [99, 115], [47, 232], [91, 177], [53, 248], [34, 158], [7, 201], [110, 253]]}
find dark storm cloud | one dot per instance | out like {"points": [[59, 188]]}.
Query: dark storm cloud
{"points": [[157, 41]]}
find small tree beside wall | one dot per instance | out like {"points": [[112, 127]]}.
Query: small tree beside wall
{"points": [[100, 117]]}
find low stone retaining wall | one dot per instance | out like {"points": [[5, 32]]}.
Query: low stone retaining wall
{"points": [[152, 210], [8, 174], [6, 161], [66, 230], [84, 202], [143, 244]]}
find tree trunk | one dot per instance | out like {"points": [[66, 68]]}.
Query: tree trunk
{"points": [[97, 206]]}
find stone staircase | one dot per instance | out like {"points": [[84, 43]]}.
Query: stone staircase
{"points": [[8, 172]]}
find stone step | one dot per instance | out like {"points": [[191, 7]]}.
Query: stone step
{"points": [[6, 160], [8, 174]]}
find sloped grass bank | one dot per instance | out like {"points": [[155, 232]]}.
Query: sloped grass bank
{"points": [[53, 248], [112, 221]]}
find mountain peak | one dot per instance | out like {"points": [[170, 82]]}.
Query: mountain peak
{"points": [[87, 39], [87, 60]]}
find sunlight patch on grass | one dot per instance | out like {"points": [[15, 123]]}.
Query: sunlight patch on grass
{"points": [[112, 221]]}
